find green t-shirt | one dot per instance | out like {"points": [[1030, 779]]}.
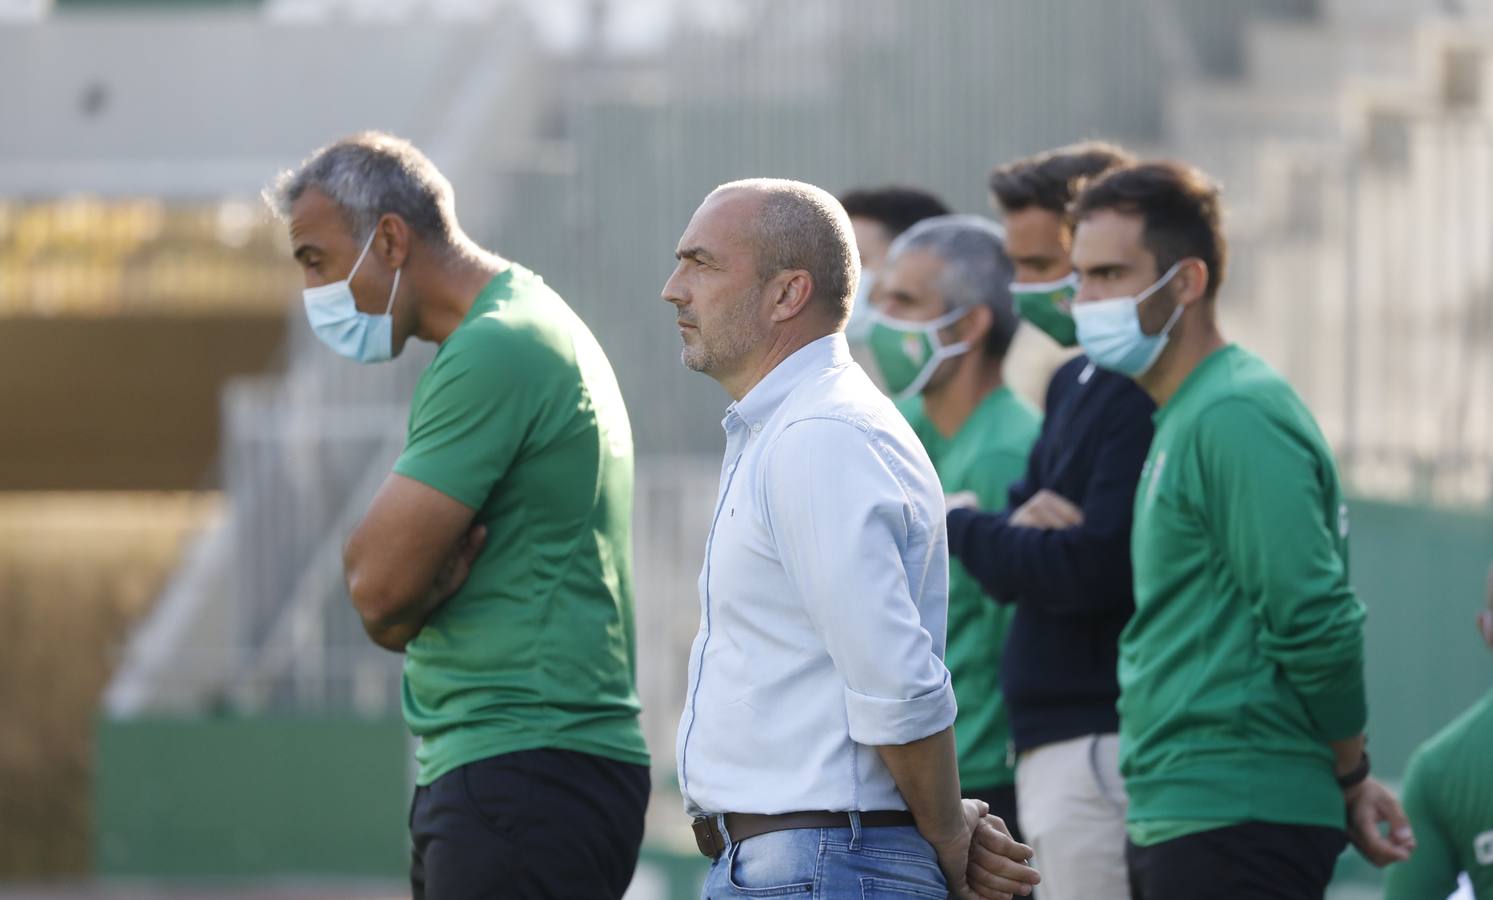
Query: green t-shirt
{"points": [[519, 417], [985, 457], [1449, 799], [1244, 658]]}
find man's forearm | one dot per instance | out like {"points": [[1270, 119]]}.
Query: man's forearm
{"points": [[1078, 570], [394, 632], [927, 774], [1347, 754], [393, 637]]}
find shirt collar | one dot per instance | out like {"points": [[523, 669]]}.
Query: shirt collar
{"points": [[763, 400]]}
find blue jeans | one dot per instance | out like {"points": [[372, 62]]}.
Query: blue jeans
{"points": [[852, 863]]}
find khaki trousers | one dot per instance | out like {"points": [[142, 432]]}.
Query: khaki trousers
{"points": [[1072, 809]]}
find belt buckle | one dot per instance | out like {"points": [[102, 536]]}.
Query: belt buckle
{"points": [[708, 837]]}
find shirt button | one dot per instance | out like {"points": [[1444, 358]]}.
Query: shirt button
{"points": [[756, 428]]}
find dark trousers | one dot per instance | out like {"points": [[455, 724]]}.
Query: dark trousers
{"points": [[529, 825], [1251, 861], [1002, 802]]}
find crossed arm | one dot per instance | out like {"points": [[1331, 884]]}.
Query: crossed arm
{"points": [[1048, 552], [412, 551]]}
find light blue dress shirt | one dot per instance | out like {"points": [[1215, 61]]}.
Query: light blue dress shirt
{"points": [[823, 599]]}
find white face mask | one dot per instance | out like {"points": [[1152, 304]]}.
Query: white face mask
{"points": [[1109, 331], [337, 321]]}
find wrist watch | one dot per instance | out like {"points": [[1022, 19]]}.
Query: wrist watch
{"points": [[1356, 777]]}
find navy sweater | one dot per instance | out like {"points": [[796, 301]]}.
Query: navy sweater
{"points": [[1072, 588]]}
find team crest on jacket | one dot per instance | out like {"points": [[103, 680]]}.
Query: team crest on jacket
{"points": [[1151, 475]]}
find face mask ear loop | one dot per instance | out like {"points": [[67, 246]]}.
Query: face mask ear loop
{"points": [[1160, 282], [1166, 329], [1176, 313], [395, 289], [941, 352], [942, 322], [949, 318], [366, 247], [930, 327]]}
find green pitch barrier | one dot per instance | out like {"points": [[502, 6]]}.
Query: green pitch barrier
{"points": [[248, 797], [1422, 574], [244, 800], [328, 797]]}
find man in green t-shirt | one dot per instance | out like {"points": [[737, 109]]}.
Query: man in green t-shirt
{"points": [[941, 325], [1449, 798], [1242, 704], [496, 556]]}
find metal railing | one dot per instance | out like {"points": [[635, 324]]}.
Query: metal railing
{"points": [[1373, 297], [1370, 285], [1417, 328]]}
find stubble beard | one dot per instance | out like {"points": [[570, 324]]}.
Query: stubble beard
{"points": [[733, 337]]}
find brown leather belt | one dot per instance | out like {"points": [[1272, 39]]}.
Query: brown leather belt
{"points": [[741, 826]]}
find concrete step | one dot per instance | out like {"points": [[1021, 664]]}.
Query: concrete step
{"points": [[1401, 12], [1205, 111], [1285, 55]]}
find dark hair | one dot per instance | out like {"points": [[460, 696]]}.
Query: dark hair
{"points": [[896, 208], [1179, 207], [1052, 179]]}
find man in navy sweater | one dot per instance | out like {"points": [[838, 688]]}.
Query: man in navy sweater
{"points": [[1060, 553]]}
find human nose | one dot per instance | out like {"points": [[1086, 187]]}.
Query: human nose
{"points": [[673, 291], [1086, 292]]}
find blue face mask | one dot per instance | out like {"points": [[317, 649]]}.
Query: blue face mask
{"points": [[336, 320], [1109, 331]]}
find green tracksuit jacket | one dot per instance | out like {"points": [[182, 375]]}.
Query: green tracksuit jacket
{"points": [[1245, 654]]}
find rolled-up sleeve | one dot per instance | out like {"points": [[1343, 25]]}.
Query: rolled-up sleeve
{"points": [[859, 551], [879, 721]]}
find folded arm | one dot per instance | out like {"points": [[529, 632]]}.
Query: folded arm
{"points": [[1080, 569], [412, 550]]}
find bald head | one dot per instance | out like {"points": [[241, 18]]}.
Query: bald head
{"points": [[796, 226]]}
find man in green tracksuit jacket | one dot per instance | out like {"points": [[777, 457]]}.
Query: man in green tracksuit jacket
{"points": [[941, 324], [1242, 702], [1449, 798]]}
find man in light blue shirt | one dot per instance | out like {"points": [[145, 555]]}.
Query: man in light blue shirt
{"points": [[816, 747]]}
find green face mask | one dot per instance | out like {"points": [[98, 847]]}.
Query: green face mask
{"points": [[1048, 306], [908, 353]]}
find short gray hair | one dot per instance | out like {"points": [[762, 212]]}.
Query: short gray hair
{"points": [[368, 175], [804, 227], [976, 270]]}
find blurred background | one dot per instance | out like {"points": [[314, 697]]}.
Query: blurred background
{"points": [[189, 705]]}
